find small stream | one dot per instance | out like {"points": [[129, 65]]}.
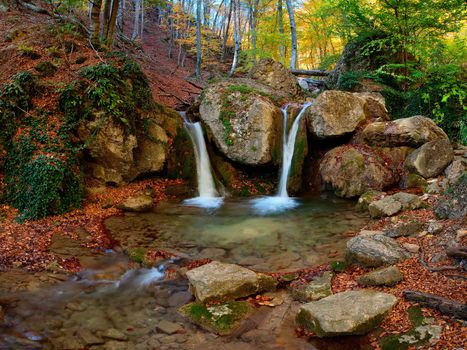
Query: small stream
{"points": [[133, 303]]}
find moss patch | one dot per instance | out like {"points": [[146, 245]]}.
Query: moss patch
{"points": [[221, 319]]}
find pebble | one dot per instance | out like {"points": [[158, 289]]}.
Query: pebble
{"points": [[75, 306], [115, 334], [413, 248], [88, 337], [168, 327], [461, 234]]}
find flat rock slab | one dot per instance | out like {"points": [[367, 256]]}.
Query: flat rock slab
{"points": [[168, 327], [218, 281], [375, 250], [139, 203], [346, 313], [222, 319], [387, 276]]}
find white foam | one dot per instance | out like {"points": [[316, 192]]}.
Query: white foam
{"points": [[273, 204]]}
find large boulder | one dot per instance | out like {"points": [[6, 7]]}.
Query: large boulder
{"points": [[430, 159], [453, 172], [412, 132], [218, 281], [351, 170], [374, 250], [110, 150], [275, 75], [335, 113], [242, 120], [347, 313], [454, 205]]}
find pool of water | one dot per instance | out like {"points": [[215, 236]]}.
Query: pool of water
{"points": [[134, 303], [313, 232]]}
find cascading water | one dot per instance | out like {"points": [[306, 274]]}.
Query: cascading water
{"points": [[208, 196], [281, 201]]}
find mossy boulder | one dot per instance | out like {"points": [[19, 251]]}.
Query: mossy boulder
{"points": [[242, 120], [347, 313], [218, 281], [367, 198], [352, 170], [222, 319], [276, 76]]}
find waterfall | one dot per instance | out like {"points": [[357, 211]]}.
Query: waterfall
{"points": [[281, 201], [208, 195], [289, 147]]}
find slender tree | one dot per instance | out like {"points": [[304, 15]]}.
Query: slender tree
{"points": [[237, 38], [293, 32], [280, 19], [198, 39], [134, 35], [95, 26]]}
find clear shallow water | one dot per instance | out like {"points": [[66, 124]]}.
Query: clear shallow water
{"points": [[115, 295], [311, 232]]}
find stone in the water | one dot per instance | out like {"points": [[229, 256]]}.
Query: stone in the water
{"points": [[221, 319], [318, 288], [430, 159], [346, 313], [212, 253], [88, 337], [139, 203], [115, 334], [386, 206], [218, 281], [387, 276], [168, 327], [375, 250]]}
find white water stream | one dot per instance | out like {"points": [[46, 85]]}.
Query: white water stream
{"points": [[281, 201], [208, 197]]}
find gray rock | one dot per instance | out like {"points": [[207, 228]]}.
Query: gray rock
{"points": [[455, 170], [365, 199], [430, 159], [414, 132], [179, 298], [386, 206], [247, 131], [434, 227], [168, 327], [318, 288], [117, 345], [352, 170], [412, 248], [114, 334], [387, 276], [218, 281], [346, 313], [88, 337], [138, 203], [404, 229], [374, 250], [407, 200], [335, 113], [454, 205]]}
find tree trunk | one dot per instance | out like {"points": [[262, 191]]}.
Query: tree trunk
{"points": [[106, 19], [136, 20], [236, 36], [142, 19], [198, 40], [120, 17], [280, 18], [112, 23], [293, 32], [95, 26], [226, 34]]}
